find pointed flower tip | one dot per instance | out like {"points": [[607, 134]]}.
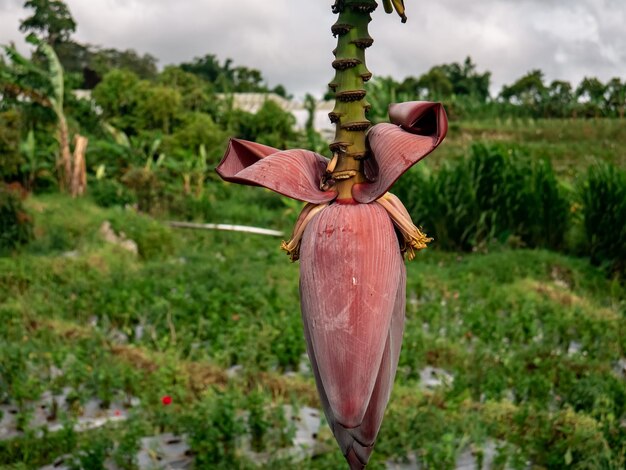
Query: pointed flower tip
{"points": [[416, 129], [423, 118], [239, 155]]}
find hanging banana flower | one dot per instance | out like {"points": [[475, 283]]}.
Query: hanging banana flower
{"points": [[351, 236]]}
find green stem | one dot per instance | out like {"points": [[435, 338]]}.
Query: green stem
{"points": [[349, 147]]}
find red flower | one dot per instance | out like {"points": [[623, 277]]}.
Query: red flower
{"points": [[166, 400]]}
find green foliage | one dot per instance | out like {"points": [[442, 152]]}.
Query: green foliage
{"points": [[27, 83], [103, 60], [194, 91], [257, 422], [129, 444], [528, 91], [10, 136], [447, 80], [54, 75], [51, 19], [603, 196], [570, 145], [502, 324], [270, 125], [30, 84], [92, 455], [616, 90], [592, 93], [116, 95], [196, 130], [65, 227], [16, 226], [109, 193], [32, 451], [225, 78], [36, 171], [154, 240], [214, 430], [146, 187], [157, 106], [494, 194]]}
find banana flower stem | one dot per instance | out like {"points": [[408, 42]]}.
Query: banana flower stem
{"points": [[349, 114]]}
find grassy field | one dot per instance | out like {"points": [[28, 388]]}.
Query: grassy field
{"points": [[517, 351], [570, 144]]}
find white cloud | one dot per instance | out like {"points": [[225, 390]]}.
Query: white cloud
{"points": [[290, 41]]}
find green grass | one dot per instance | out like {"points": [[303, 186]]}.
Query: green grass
{"points": [[570, 144], [504, 323]]}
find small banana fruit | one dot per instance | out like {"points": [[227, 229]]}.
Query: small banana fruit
{"points": [[398, 5]]}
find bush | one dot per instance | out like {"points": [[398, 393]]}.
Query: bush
{"points": [[214, 431], [16, 226], [603, 196], [109, 193], [146, 187], [154, 240], [493, 194], [11, 159]]}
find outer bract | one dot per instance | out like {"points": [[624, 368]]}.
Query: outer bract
{"points": [[352, 275], [352, 288]]}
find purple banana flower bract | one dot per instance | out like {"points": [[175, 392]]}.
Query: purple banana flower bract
{"points": [[352, 275]]}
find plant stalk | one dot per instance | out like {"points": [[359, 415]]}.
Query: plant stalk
{"points": [[349, 115]]}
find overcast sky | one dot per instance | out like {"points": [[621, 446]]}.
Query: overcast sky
{"points": [[290, 40]]}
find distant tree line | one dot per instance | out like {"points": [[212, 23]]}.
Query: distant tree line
{"points": [[52, 22], [186, 107], [466, 93], [180, 117]]}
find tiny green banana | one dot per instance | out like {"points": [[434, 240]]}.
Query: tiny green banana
{"points": [[388, 6], [399, 6]]}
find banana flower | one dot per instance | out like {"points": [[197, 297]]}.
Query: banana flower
{"points": [[352, 274]]}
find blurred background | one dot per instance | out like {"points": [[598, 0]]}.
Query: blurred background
{"points": [[128, 342]]}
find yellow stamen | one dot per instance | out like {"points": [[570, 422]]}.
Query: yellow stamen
{"points": [[413, 239], [292, 247]]}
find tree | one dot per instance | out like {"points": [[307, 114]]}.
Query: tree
{"points": [[31, 83], [246, 79], [528, 91], [116, 95], [280, 90], [616, 95], [194, 90], [228, 79], [559, 99], [133, 105], [434, 85], [466, 81], [271, 125], [103, 61], [157, 106], [207, 67], [195, 130], [51, 22], [381, 92], [448, 80], [591, 94]]}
